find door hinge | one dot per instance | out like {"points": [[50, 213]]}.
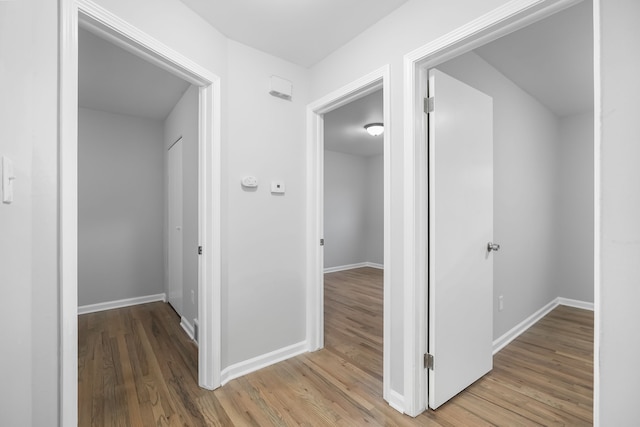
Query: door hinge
{"points": [[321, 242], [199, 250], [428, 105], [428, 361]]}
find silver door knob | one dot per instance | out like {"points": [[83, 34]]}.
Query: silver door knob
{"points": [[493, 247]]}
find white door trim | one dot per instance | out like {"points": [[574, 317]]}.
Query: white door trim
{"points": [[315, 202], [97, 19], [507, 18]]}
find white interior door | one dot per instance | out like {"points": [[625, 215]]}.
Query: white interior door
{"points": [[174, 221], [460, 293]]}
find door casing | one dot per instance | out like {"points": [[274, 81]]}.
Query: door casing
{"points": [[89, 15], [503, 20], [175, 242]]}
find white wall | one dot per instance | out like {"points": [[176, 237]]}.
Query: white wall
{"points": [[120, 207], [525, 180], [183, 122], [619, 317], [28, 248], [16, 219], [264, 295], [374, 221], [345, 208], [353, 209], [574, 230]]}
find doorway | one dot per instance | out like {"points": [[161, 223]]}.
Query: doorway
{"points": [[367, 85], [353, 232], [120, 33], [475, 34]]}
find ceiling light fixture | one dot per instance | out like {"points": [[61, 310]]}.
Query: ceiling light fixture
{"points": [[374, 129]]}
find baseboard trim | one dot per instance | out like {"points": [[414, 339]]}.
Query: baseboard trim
{"points": [[521, 327], [353, 266], [188, 328], [576, 303], [396, 401], [243, 368], [127, 302]]}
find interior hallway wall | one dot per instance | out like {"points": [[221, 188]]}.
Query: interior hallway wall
{"points": [[526, 137], [264, 296], [29, 226], [183, 122], [120, 207], [618, 319], [574, 232]]}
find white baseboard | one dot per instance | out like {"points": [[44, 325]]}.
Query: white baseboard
{"points": [[110, 305], [259, 362], [188, 328], [576, 303], [521, 327], [353, 266], [396, 401]]}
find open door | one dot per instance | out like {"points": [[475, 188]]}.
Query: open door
{"points": [[460, 292]]}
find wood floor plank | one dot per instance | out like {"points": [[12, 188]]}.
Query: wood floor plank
{"points": [[129, 386], [136, 366]]}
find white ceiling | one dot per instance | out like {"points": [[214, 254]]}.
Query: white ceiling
{"points": [[552, 60], [344, 127], [113, 80], [300, 31]]}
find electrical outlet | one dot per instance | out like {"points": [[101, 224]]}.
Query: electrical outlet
{"points": [[500, 303]]}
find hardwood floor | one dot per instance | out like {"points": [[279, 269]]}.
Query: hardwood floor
{"points": [[138, 368]]}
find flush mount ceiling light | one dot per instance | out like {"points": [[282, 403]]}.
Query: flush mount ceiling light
{"points": [[374, 129]]}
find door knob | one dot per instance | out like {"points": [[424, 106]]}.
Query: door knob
{"points": [[493, 247]]}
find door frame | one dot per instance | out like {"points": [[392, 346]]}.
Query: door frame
{"points": [[503, 20], [89, 15], [171, 253], [377, 79]]}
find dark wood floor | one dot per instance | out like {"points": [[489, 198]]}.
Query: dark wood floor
{"points": [[138, 368]]}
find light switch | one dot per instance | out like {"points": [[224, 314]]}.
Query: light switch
{"points": [[7, 180], [277, 187]]}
